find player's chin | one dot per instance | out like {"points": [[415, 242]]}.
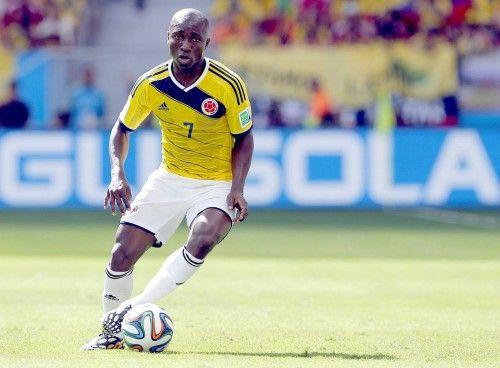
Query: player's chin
{"points": [[184, 63]]}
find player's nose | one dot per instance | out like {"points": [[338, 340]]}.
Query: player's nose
{"points": [[186, 46]]}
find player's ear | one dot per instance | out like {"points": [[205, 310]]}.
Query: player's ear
{"points": [[208, 41]]}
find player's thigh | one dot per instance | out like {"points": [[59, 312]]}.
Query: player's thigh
{"points": [[208, 229], [210, 195], [131, 243], [160, 205]]}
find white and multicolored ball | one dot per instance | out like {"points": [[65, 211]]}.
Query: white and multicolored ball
{"points": [[147, 327]]}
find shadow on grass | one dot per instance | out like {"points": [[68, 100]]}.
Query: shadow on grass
{"points": [[305, 354]]}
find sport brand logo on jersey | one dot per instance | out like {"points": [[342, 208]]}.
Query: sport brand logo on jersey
{"points": [[163, 106], [209, 106], [245, 117]]}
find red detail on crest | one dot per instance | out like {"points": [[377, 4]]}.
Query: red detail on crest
{"points": [[209, 106]]}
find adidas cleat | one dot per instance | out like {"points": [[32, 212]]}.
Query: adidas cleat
{"points": [[104, 341], [112, 321]]}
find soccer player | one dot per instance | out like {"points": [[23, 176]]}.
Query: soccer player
{"points": [[205, 119]]}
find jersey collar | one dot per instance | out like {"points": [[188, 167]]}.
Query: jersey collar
{"points": [[196, 82]]}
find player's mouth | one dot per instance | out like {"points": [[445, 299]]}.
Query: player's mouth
{"points": [[184, 58]]}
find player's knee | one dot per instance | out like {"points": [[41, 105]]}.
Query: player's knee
{"points": [[201, 244], [122, 259]]}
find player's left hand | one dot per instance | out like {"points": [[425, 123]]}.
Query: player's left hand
{"points": [[236, 200]]}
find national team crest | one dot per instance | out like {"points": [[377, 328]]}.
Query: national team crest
{"points": [[209, 106]]}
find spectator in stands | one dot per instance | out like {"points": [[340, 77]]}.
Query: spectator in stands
{"points": [[275, 116], [323, 22], [320, 109], [14, 113], [47, 32], [87, 103], [19, 19], [34, 23]]}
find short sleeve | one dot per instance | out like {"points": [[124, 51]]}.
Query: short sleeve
{"points": [[239, 116], [136, 108]]}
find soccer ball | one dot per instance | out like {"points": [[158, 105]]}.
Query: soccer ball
{"points": [[147, 327]]}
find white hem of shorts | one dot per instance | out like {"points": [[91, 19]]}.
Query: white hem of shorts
{"points": [[226, 211], [140, 226]]}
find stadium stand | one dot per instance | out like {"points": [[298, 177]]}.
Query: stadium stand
{"points": [[327, 22], [69, 36], [447, 30], [30, 31], [35, 23]]}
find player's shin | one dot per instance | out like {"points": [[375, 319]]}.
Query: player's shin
{"points": [[176, 270], [117, 288]]}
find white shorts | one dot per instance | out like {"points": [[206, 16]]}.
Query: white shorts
{"points": [[166, 198]]}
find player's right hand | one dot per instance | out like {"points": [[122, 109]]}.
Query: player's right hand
{"points": [[118, 195]]}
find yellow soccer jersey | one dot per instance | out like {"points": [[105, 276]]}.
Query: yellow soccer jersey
{"points": [[198, 123]]}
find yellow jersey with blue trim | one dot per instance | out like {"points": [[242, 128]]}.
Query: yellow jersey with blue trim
{"points": [[199, 123]]}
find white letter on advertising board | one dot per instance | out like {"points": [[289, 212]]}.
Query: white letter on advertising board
{"points": [[462, 164], [89, 163], [35, 169]]}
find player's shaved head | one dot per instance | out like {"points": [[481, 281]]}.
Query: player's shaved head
{"points": [[190, 17], [188, 39]]}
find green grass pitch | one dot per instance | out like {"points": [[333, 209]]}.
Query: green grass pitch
{"points": [[285, 289]]}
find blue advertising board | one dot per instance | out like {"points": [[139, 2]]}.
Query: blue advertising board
{"points": [[290, 168]]}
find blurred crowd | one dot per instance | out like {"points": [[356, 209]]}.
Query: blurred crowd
{"points": [[469, 23], [471, 26], [33, 23]]}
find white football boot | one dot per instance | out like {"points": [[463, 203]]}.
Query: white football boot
{"points": [[104, 341], [112, 321]]}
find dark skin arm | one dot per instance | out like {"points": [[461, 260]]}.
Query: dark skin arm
{"points": [[118, 193], [240, 160]]}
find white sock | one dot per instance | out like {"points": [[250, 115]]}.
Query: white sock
{"points": [[117, 288], [176, 270]]}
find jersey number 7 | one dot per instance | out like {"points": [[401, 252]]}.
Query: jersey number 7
{"points": [[190, 125]]}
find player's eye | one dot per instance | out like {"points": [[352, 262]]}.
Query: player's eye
{"points": [[178, 37]]}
